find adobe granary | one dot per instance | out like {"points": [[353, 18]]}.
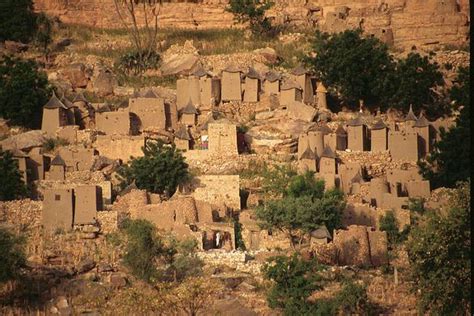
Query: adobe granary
{"points": [[149, 110], [290, 91], [303, 78], [321, 100], [356, 134], [410, 120], [188, 114], [422, 128], [379, 136], [210, 89], [336, 140], [57, 170], [55, 115], [182, 139], [327, 162], [252, 86], [307, 161], [271, 83], [231, 80]]}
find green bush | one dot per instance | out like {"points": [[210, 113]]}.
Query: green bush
{"points": [[11, 182], [24, 89], [352, 300], [450, 160], [295, 279], [253, 11], [12, 256], [160, 170], [439, 249], [52, 143], [144, 246], [136, 63]]}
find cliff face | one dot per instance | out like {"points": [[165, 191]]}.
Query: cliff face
{"points": [[404, 23]]}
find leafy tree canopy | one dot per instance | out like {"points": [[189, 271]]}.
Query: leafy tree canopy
{"points": [[17, 20], [439, 250], [13, 257], [450, 160], [24, 89], [11, 183], [252, 11], [160, 170]]}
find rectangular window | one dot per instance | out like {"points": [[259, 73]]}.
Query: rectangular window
{"points": [[57, 197]]}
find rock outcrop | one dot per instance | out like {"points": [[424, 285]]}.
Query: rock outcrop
{"points": [[404, 23]]}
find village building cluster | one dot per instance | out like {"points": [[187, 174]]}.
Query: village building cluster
{"points": [[202, 209]]}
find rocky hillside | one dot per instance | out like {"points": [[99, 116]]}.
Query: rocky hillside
{"points": [[404, 23]]}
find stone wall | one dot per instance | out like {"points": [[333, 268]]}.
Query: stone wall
{"points": [[402, 22], [120, 147], [218, 189]]}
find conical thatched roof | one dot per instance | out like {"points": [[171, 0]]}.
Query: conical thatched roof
{"points": [[189, 108], [290, 84], [308, 154], [328, 153], [298, 71], [356, 121], [321, 232], [252, 74], [410, 116], [421, 121], [379, 125], [182, 133], [200, 72], [54, 103], [232, 68], [58, 161], [341, 131], [272, 76]]}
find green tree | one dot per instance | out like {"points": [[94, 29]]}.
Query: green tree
{"points": [[352, 66], [253, 12], [352, 300], [439, 250], [24, 89], [17, 20], [160, 170], [389, 223], [412, 82], [144, 246], [303, 208], [13, 257], [295, 279], [450, 160], [275, 180], [11, 182]]}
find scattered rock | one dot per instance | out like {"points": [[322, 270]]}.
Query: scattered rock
{"points": [[105, 83], [269, 53], [117, 280], [24, 141], [76, 74], [179, 64], [85, 265], [15, 47], [104, 267]]}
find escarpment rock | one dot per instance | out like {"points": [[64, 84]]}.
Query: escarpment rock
{"points": [[420, 23]]}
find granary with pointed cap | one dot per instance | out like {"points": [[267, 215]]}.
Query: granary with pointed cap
{"points": [[188, 114], [231, 84], [252, 86], [55, 115], [303, 78], [379, 137], [271, 83], [320, 235], [336, 140], [307, 161], [182, 138], [410, 119], [290, 92], [57, 169], [148, 111], [356, 134], [327, 162], [321, 100], [316, 141], [209, 89], [422, 128], [347, 172]]}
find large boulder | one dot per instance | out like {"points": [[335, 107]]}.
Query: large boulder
{"points": [[105, 83], [24, 141], [77, 75], [177, 64], [269, 54], [300, 111]]}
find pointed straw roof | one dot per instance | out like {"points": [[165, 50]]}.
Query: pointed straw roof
{"points": [[79, 97], [379, 125], [232, 68], [341, 131], [54, 103], [252, 74], [272, 76], [189, 108], [321, 232], [298, 71], [149, 94], [290, 84], [421, 121], [58, 161], [182, 133], [356, 121], [308, 154], [328, 153], [200, 72], [410, 116]]}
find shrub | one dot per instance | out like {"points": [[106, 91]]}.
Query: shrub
{"points": [[352, 300], [450, 160], [295, 279], [135, 63], [389, 224], [13, 257], [184, 262], [143, 248], [52, 143], [253, 11], [24, 89], [439, 250], [160, 170], [11, 182]]}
